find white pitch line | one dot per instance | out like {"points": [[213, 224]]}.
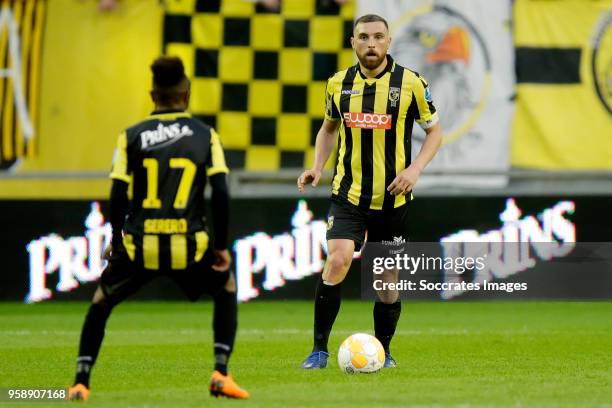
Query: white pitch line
{"points": [[257, 332]]}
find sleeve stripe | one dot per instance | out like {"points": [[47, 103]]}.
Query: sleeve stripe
{"points": [[432, 108], [331, 109], [429, 123], [120, 160], [125, 178], [211, 171], [425, 108], [218, 164]]}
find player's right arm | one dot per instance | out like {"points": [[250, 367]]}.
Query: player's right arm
{"points": [[325, 140]]}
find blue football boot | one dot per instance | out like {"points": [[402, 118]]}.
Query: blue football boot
{"points": [[389, 361], [316, 360]]}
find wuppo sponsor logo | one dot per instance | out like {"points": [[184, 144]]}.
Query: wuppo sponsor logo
{"points": [[362, 120]]}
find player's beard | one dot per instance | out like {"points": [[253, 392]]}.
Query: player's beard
{"points": [[371, 59]]}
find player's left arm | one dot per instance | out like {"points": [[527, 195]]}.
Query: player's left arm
{"points": [[217, 171], [405, 181], [118, 210]]}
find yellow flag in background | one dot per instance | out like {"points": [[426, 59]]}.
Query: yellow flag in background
{"points": [[21, 27], [94, 82], [563, 117]]}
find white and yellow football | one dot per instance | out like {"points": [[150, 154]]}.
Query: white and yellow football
{"points": [[361, 353]]}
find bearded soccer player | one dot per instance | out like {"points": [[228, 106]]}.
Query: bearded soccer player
{"points": [[371, 108], [168, 159]]}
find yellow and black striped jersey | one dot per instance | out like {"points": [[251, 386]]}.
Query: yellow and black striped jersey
{"points": [[167, 159], [374, 142]]}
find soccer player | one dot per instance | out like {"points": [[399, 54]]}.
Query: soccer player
{"points": [[371, 106], [167, 158]]}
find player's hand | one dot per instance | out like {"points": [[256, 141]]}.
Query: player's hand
{"points": [[309, 176], [223, 260], [113, 252], [107, 5], [404, 181], [108, 251], [271, 5]]}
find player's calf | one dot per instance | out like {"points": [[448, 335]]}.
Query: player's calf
{"points": [[386, 317], [388, 296], [92, 335], [327, 299]]}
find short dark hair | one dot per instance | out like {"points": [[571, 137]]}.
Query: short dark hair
{"points": [[169, 79], [370, 18], [167, 71]]}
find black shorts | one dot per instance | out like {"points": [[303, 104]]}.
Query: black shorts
{"points": [[123, 277], [347, 221]]}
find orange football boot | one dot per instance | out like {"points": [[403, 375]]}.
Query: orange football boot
{"points": [[78, 392], [224, 385]]}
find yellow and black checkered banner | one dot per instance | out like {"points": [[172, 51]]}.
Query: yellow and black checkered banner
{"points": [[21, 29], [564, 71], [259, 76], [463, 48]]}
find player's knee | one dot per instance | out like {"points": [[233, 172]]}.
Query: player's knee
{"points": [[230, 285], [99, 297], [102, 302], [337, 266], [338, 263]]}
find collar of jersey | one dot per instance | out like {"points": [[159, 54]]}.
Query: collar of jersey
{"points": [[169, 114], [388, 68]]}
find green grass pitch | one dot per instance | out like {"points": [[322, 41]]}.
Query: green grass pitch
{"points": [[450, 354]]}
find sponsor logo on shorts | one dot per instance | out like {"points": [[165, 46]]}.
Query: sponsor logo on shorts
{"points": [[362, 120], [330, 222], [396, 241]]}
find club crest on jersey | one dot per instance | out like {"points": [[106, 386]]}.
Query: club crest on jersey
{"points": [[164, 135], [394, 95]]}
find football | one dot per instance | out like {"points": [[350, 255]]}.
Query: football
{"points": [[361, 353]]}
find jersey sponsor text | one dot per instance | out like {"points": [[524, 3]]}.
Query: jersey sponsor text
{"points": [[367, 120], [163, 134]]}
